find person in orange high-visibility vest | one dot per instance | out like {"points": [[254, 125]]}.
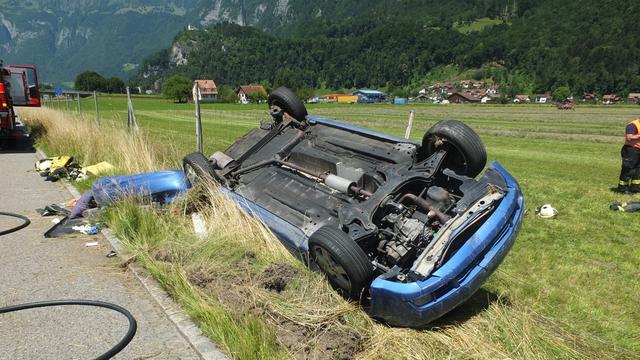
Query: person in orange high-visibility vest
{"points": [[630, 173]]}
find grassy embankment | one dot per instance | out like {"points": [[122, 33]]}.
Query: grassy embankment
{"points": [[567, 289]]}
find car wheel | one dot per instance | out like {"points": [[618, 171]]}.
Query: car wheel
{"points": [[196, 168], [466, 154], [342, 260], [285, 99]]}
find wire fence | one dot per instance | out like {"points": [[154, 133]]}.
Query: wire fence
{"points": [[108, 109]]}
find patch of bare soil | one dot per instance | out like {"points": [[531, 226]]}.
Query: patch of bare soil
{"points": [[165, 255], [327, 344], [201, 277], [277, 276], [230, 290], [303, 342]]}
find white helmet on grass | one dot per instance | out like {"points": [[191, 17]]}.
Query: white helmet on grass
{"points": [[546, 211]]}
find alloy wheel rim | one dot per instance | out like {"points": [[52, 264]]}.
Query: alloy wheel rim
{"points": [[191, 175], [332, 268]]}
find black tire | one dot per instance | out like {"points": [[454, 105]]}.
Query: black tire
{"points": [[285, 99], [466, 154], [197, 167], [342, 260]]}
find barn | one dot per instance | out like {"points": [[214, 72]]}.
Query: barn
{"points": [[244, 92], [208, 90], [370, 96], [463, 98]]}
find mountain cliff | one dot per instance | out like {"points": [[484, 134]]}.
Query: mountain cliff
{"points": [[64, 37]]}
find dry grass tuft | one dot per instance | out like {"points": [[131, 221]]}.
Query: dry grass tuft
{"points": [[67, 134]]}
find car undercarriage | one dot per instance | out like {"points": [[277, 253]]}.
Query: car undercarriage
{"points": [[361, 204]]}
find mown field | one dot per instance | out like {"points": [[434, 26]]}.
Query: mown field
{"points": [[580, 272]]}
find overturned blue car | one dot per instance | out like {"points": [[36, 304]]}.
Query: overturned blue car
{"points": [[408, 229]]}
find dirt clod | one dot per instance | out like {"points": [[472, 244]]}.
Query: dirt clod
{"points": [[201, 277], [164, 255], [277, 276]]}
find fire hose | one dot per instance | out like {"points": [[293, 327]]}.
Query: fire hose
{"points": [[133, 326]]}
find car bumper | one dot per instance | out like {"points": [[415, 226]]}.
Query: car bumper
{"points": [[417, 303]]}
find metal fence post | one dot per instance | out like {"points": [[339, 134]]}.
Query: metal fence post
{"points": [[196, 100], [79, 107], [131, 115], [95, 100]]}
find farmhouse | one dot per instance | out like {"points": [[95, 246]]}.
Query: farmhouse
{"points": [[465, 84], [244, 92], [522, 99], [370, 96], [543, 98], [493, 90], [463, 98], [633, 97], [440, 88], [208, 90], [610, 99], [589, 97], [487, 97], [423, 98]]}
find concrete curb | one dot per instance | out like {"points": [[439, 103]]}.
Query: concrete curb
{"points": [[190, 331]]}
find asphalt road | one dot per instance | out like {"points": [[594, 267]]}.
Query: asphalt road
{"points": [[33, 268]]}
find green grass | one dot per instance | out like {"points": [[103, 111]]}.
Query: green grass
{"points": [[580, 271], [475, 26]]}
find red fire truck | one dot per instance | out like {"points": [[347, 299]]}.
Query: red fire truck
{"points": [[18, 87]]}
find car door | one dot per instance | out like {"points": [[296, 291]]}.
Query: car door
{"points": [[24, 85]]}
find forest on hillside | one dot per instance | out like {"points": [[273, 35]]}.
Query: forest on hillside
{"points": [[526, 46]]}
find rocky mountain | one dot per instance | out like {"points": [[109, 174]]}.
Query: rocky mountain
{"points": [[65, 37], [279, 15]]}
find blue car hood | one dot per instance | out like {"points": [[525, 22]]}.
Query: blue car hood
{"points": [[160, 186]]}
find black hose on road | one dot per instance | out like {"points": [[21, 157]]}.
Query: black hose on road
{"points": [[131, 332], [133, 325], [25, 223]]}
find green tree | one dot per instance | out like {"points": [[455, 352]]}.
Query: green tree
{"points": [[178, 88], [226, 94], [401, 92], [114, 85], [266, 84], [305, 93], [90, 81], [561, 93]]}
